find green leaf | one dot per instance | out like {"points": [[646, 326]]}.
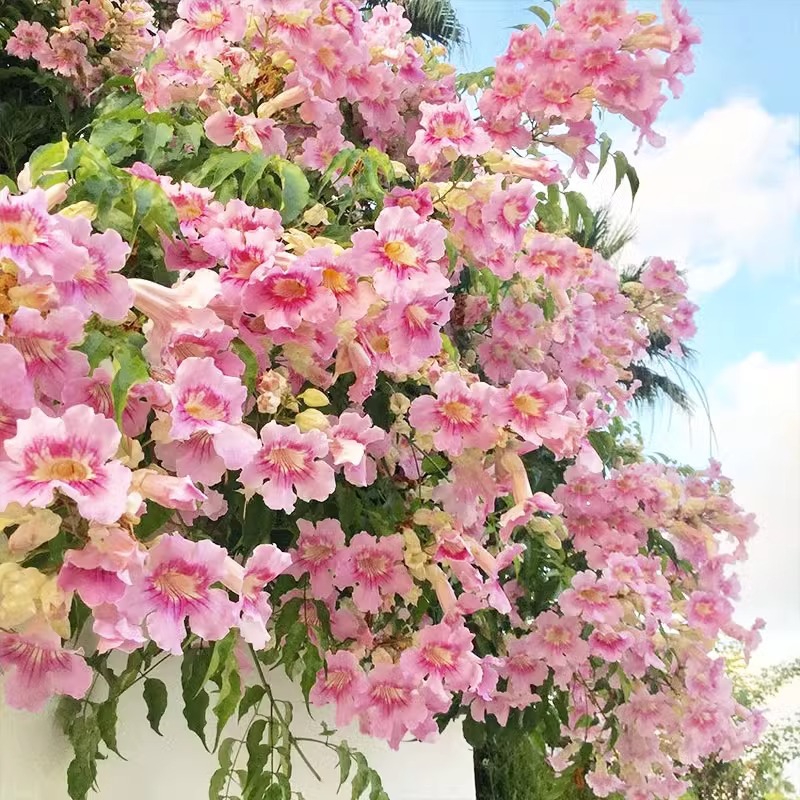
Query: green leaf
{"points": [[578, 209], [605, 147], [96, 346], [194, 669], [46, 158], [130, 369], [230, 692], [8, 183], [154, 519], [294, 194], [541, 13], [312, 664], [253, 171], [633, 180], [250, 363], [84, 734], [155, 696], [156, 136], [345, 761], [252, 696], [620, 168], [474, 732], [107, 723]]}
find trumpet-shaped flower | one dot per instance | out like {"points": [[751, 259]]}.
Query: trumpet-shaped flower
{"points": [[289, 466], [178, 585], [73, 455], [402, 250], [456, 414], [341, 682], [38, 243], [375, 570], [448, 130], [532, 406], [36, 667], [318, 551]]}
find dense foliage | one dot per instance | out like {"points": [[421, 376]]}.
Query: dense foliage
{"points": [[304, 372]]}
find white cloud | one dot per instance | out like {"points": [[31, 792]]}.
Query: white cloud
{"points": [[755, 412], [724, 193]]}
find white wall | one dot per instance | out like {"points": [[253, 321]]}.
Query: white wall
{"points": [[34, 756]]}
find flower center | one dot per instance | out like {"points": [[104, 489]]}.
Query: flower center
{"points": [[556, 636], [204, 406], [19, 232], [591, 595], [290, 289], [372, 565], [63, 469], [337, 282], [452, 128], [287, 459], [338, 680], [417, 317], [177, 585], [389, 695], [401, 252], [528, 405], [456, 411], [438, 656], [327, 57], [317, 552], [208, 20]]}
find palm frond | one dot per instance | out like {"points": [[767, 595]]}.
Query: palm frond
{"points": [[435, 20]]}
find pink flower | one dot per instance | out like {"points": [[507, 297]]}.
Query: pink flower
{"points": [[286, 298], [318, 551], [708, 612], [289, 467], [374, 568], [402, 249], [96, 286], [116, 630], [29, 40], [342, 682], [38, 243], [609, 644], [457, 414], [72, 454], [104, 568], [208, 403], [16, 388], [176, 586], [204, 25], [352, 438], [263, 566], [45, 345], [448, 130], [413, 322], [89, 17], [391, 705], [248, 131], [531, 406], [36, 667], [443, 653], [558, 640], [167, 490], [591, 598]]}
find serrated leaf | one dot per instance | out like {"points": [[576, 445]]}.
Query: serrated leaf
{"points": [[252, 696], [345, 762], [155, 696], [217, 784], [230, 692], [107, 724]]}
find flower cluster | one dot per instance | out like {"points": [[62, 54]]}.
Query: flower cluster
{"points": [[383, 447]]}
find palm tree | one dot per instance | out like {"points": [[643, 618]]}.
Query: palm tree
{"points": [[661, 375], [435, 20]]}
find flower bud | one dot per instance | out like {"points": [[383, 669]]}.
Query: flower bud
{"points": [[314, 398], [311, 420]]}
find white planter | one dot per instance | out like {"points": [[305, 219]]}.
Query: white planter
{"points": [[34, 756]]}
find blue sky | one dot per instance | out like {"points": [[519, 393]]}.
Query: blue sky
{"points": [[722, 199]]}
